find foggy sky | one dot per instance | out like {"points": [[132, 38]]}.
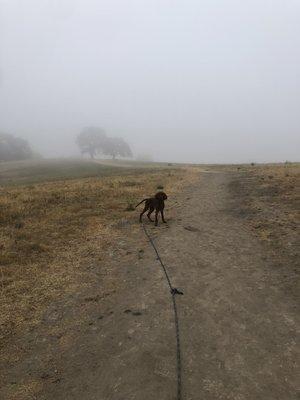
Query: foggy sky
{"points": [[181, 80]]}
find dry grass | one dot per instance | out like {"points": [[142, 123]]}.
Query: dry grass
{"points": [[276, 200], [269, 196], [51, 231]]}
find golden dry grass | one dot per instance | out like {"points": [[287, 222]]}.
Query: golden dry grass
{"points": [[268, 197], [51, 230], [276, 199]]}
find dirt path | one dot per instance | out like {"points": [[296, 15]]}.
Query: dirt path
{"points": [[238, 324]]}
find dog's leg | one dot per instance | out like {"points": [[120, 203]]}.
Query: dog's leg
{"points": [[163, 217], [143, 212], [156, 217], [149, 213]]}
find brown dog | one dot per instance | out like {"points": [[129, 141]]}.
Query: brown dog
{"points": [[156, 203]]}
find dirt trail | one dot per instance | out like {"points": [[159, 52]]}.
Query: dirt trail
{"points": [[238, 325]]}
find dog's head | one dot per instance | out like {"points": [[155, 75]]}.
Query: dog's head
{"points": [[161, 196]]}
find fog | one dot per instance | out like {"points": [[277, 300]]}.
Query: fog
{"points": [[189, 80]]}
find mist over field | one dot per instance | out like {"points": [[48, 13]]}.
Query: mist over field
{"points": [[189, 81]]}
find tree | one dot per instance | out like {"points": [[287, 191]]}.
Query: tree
{"points": [[13, 148], [116, 147], [91, 140]]}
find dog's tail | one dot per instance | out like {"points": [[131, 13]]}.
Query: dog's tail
{"points": [[140, 203]]}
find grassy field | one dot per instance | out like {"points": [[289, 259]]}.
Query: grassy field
{"points": [[62, 231], [56, 213], [268, 200], [54, 216], [29, 172]]}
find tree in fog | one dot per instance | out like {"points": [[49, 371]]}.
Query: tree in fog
{"points": [[115, 147], [91, 140], [13, 148]]}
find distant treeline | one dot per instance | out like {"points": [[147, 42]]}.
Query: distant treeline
{"points": [[91, 140]]}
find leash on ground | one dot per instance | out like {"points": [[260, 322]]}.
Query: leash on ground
{"points": [[173, 292]]}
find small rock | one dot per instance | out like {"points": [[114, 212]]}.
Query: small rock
{"points": [[92, 298], [137, 313], [191, 229]]}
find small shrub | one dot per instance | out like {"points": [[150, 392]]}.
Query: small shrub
{"points": [[160, 187], [15, 216], [37, 247], [130, 207]]}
